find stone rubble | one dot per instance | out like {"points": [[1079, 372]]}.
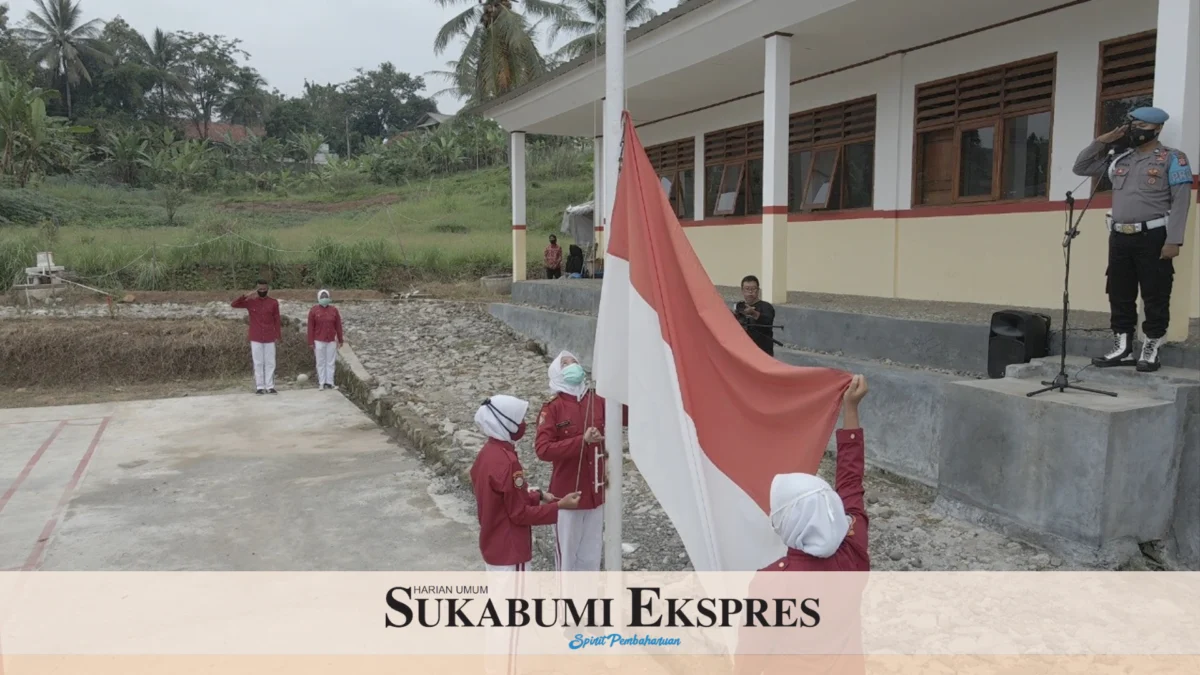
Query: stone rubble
{"points": [[442, 359]]}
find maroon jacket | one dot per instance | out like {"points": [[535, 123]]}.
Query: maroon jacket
{"points": [[838, 649], [560, 440], [264, 317], [852, 555], [507, 509], [324, 325]]}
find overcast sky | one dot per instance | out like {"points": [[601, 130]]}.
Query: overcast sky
{"points": [[293, 40]]}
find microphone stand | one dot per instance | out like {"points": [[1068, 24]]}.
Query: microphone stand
{"points": [[1062, 381]]}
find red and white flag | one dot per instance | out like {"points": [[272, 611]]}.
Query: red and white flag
{"points": [[712, 418]]}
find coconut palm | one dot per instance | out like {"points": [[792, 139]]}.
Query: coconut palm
{"points": [[247, 99], [60, 39], [163, 56], [500, 51], [587, 30]]}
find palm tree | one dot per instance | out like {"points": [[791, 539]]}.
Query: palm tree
{"points": [[246, 100], [500, 51], [60, 40], [163, 56], [588, 28]]}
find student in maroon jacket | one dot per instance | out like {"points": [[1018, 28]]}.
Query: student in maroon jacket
{"points": [[324, 337], [570, 435], [824, 531], [508, 507], [264, 332]]}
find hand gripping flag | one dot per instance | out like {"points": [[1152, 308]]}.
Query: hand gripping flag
{"points": [[712, 418]]}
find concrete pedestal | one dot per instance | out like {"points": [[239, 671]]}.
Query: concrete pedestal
{"points": [[1088, 475]]}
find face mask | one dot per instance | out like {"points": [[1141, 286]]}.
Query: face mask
{"points": [[324, 302], [262, 294], [520, 432], [1141, 136], [573, 374]]}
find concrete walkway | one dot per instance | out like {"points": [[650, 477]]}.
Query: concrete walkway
{"points": [[299, 481]]}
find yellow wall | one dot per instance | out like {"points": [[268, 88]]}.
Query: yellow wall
{"points": [[728, 252], [1006, 260]]}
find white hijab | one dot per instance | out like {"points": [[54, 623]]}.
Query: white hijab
{"points": [[323, 294], [807, 514], [558, 384], [503, 425]]}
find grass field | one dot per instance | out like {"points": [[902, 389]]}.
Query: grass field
{"points": [[448, 228]]}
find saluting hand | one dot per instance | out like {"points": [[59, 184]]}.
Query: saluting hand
{"points": [[1113, 136]]}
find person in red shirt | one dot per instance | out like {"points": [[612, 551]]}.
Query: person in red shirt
{"points": [[324, 337], [508, 507], [553, 259], [264, 333], [570, 435], [825, 530]]}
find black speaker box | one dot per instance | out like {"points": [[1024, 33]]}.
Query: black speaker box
{"points": [[1016, 337]]}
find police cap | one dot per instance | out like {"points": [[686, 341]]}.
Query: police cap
{"points": [[1150, 115]]}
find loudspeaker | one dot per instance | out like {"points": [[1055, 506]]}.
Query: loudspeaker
{"points": [[1016, 337]]}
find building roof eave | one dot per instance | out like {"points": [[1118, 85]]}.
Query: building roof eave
{"points": [[641, 31]]}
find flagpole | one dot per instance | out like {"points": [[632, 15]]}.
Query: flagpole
{"points": [[614, 105]]}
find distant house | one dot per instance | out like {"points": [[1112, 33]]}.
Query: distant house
{"points": [[433, 120], [221, 132]]}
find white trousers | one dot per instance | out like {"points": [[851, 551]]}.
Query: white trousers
{"points": [[264, 364], [326, 358], [504, 581], [579, 540]]}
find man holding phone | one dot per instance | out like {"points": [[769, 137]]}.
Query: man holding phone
{"points": [[756, 315]]}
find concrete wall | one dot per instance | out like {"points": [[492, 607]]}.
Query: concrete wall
{"points": [[906, 403]]}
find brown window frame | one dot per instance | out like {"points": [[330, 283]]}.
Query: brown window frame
{"points": [[672, 161], [989, 102], [1117, 47], [832, 127], [733, 147]]}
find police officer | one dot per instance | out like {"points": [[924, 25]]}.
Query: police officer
{"points": [[1151, 193]]}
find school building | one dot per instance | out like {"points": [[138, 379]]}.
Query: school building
{"points": [[918, 149]]}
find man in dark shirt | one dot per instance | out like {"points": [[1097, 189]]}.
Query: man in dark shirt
{"points": [[755, 315]]}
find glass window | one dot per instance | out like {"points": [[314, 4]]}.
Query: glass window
{"points": [[859, 174], [687, 191], [712, 185], [798, 163], [820, 182], [976, 155], [754, 196], [730, 191], [1026, 157]]}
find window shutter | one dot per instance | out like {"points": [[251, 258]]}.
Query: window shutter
{"points": [[673, 156], [733, 143], [1023, 86], [1127, 65], [842, 122]]}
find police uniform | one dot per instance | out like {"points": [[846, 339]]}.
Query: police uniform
{"points": [[1151, 193]]}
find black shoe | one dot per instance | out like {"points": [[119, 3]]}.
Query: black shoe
{"points": [[330, 386], [260, 392], [1119, 355], [1148, 361], [272, 391]]}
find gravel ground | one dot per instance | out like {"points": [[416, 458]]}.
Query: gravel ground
{"points": [[444, 358]]}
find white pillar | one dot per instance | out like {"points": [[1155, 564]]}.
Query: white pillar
{"points": [[517, 170], [598, 192], [1177, 91], [698, 179], [614, 104], [776, 107]]}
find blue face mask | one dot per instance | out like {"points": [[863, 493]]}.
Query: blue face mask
{"points": [[573, 374]]}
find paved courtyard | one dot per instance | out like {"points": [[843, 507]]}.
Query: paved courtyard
{"points": [[299, 481]]}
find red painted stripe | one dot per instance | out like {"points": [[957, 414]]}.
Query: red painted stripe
{"points": [[518, 227], [774, 210], [12, 489], [35, 558], [599, 228], [786, 414]]}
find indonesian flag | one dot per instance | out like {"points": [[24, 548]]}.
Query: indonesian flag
{"points": [[712, 418]]}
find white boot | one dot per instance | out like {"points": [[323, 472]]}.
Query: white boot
{"points": [[1121, 351], [1148, 361]]}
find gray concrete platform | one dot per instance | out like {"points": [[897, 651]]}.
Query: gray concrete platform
{"points": [[299, 481]]}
